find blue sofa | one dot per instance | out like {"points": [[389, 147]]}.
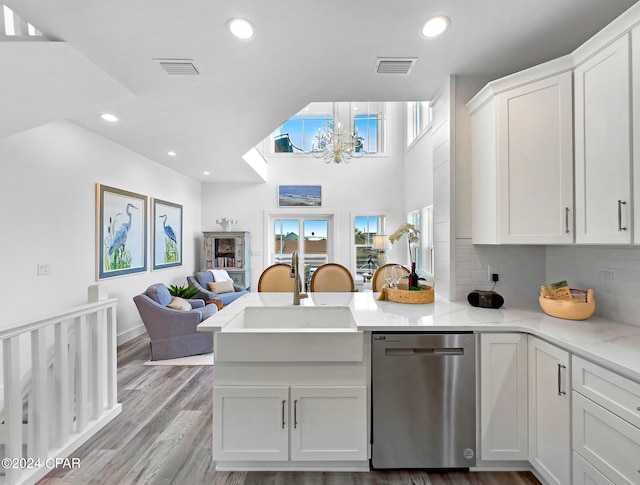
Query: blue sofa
{"points": [[173, 332], [200, 281]]}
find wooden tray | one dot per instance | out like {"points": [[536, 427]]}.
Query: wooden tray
{"points": [[427, 295]]}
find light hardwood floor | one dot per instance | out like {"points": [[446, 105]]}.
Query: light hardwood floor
{"points": [[164, 436]]}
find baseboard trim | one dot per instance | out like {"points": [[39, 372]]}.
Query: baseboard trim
{"points": [[130, 334]]}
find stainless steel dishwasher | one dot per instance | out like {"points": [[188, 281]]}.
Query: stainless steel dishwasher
{"points": [[423, 399]]}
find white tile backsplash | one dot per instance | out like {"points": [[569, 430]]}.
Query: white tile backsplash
{"points": [[521, 271], [582, 267]]}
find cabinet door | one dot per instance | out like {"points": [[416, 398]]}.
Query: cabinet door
{"points": [[535, 159], [609, 443], [328, 423], [503, 396], [585, 474], [549, 412], [250, 423], [603, 146], [635, 95]]}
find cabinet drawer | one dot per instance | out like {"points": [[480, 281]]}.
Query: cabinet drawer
{"points": [[585, 474], [618, 394], [609, 443]]}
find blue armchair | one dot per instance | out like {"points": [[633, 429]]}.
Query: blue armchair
{"points": [[203, 278], [173, 332]]}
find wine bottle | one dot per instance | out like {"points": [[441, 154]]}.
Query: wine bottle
{"points": [[413, 276]]}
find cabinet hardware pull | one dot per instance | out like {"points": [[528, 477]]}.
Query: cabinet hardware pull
{"points": [[295, 414], [566, 220], [560, 391], [638, 408], [283, 401], [620, 204]]}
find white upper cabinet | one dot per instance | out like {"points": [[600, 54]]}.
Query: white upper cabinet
{"points": [[603, 146], [522, 161]]}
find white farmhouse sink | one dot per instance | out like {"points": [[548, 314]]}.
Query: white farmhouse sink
{"points": [[294, 317], [290, 334]]}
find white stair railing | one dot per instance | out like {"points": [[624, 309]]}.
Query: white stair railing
{"points": [[72, 391]]}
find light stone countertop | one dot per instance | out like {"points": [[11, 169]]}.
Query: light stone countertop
{"points": [[611, 344]]}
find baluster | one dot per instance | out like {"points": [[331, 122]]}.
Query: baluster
{"points": [[112, 364], [39, 425], [12, 405], [63, 421], [99, 363], [82, 377]]}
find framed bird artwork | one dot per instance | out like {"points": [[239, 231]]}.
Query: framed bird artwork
{"points": [[121, 232], [167, 234]]}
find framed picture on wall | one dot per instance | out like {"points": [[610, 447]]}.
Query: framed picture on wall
{"points": [[121, 233], [299, 196], [166, 233]]}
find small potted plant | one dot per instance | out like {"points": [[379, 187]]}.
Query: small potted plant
{"points": [[186, 292]]}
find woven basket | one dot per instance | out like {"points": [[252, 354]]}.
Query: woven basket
{"points": [[405, 296]]}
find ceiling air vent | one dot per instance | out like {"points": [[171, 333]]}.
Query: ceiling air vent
{"points": [[178, 67], [395, 65]]}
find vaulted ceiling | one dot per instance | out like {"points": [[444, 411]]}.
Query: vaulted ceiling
{"points": [[302, 52]]}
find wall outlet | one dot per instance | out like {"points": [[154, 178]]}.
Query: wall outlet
{"points": [[44, 269], [606, 280], [492, 269]]}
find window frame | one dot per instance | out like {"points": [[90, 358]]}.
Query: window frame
{"points": [[423, 220], [380, 217], [270, 217]]}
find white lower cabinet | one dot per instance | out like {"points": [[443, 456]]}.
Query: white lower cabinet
{"points": [[250, 423], [503, 396], [606, 415], [329, 423], [585, 474], [316, 423], [549, 411]]}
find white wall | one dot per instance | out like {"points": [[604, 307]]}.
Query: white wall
{"points": [[370, 185], [47, 190], [418, 174], [443, 190]]}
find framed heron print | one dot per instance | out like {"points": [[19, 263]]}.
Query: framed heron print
{"points": [[167, 234], [121, 233]]}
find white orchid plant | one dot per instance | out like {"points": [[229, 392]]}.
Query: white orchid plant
{"points": [[413, 237]]}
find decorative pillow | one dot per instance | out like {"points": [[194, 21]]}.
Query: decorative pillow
{"points": [[221, 286], [179, 304]]}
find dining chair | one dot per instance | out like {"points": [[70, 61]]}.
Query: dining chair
{"points": [[276, 278], [332, 277], [377, 282]]}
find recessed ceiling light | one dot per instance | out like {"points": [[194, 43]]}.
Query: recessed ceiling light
{"points": [[241, 28], [206, 173], [171, 153], [109, 117], [435, 26]]}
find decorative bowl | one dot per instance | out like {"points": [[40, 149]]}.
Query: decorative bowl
{"points": [[568, 309]]}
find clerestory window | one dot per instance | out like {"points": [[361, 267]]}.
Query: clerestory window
{"points": [[298, 133]]}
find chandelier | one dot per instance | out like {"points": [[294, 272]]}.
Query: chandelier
{"points": [[335, 142]]}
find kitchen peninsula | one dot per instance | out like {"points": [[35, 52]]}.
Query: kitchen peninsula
{"points": [[273, 369]]}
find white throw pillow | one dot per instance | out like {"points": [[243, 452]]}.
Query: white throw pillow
{"points": [[179, 304], [220, 275], [221, 286]]}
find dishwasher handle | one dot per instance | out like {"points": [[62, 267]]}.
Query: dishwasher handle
{"points": [[435, 351]]}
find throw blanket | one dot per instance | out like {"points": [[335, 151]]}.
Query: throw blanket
{"points": [[220, 275]]}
